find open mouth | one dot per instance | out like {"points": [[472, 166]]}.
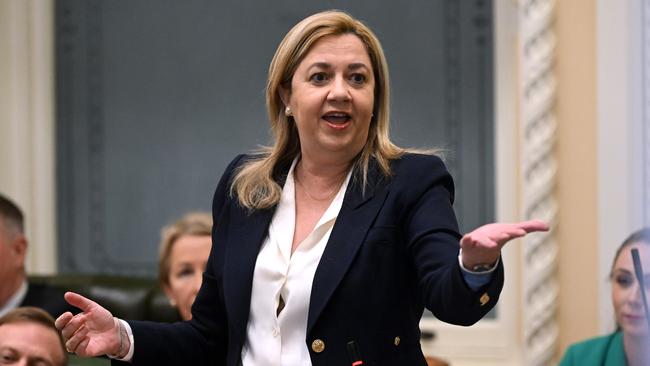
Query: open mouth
{"points": [[337, 120]]}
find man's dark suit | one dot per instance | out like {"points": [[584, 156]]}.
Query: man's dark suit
{"points": [[47, 298], [392, 252]]}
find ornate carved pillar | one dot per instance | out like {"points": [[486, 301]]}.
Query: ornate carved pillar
{"points": [[538, 167], [646, 110]]}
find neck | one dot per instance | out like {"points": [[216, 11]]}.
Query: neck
{"points": [[320, 182], [636, 349], [323, 166], [314, 172]]}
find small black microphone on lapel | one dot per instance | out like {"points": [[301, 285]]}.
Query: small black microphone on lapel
{"points": [[355, 356], [638, 271]]}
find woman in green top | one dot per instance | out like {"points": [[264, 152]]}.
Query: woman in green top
{"points": [[630, 344]]}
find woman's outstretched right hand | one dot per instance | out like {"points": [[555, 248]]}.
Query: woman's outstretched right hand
{"points": [[92, 332]]}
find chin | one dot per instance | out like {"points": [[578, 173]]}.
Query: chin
{"points": [[338, 146], [636, 331]]}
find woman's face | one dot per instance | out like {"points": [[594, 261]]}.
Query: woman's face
{"points": [[332, 98], [188, 258], [626, 295]]}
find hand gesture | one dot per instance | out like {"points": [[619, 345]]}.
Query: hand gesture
{"points": [[483, 245], [92, 332]]}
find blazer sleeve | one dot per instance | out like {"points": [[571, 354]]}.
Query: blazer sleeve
{"points": [[433, 238], [204, 339]]}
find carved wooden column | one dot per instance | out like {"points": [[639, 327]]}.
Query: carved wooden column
{"points": [[538, 169], [646, 110]]}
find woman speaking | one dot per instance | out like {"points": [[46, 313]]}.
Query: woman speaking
{"points": [[329, 244]]}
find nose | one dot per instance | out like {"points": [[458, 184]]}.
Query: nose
{"points": [[634, 296], [196, 284], [339, 91]]}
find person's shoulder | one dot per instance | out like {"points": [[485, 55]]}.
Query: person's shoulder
{"points": [[47, 297], [239, 161], [412, 174], [43, 289], [423, 167], [595, 342], [591, 349], [416, 160]]}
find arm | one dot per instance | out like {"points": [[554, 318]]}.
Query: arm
{"points": [[433, 239], [432, 236]]}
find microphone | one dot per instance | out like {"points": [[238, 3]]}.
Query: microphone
{"points": [[355, 356], [638, 271]]}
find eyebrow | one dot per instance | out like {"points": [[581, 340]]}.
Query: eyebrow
{"points": [[39, 359], [357, 66], [646, 276], [352, 66], [30, 359]]}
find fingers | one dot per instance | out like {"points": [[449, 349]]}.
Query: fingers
{"points": [[498, 234], [510, 233], [73, 325], [73, 344], [533, 226], [473, 240], [62, 320], [83, 346], [506, 232], [79, 301]]}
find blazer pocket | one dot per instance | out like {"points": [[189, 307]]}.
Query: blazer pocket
{"points": [[394, 348], [382, 235]]}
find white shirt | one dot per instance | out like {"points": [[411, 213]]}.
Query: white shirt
{"points": [[280, 340]]}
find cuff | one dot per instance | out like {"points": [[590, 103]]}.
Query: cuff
{"points": [[129, 354], [476, 280]]}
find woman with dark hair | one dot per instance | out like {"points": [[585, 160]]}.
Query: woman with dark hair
{"points": [[329, 244], [630, 343]]}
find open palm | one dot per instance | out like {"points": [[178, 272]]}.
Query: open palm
{"points": [[92, 332], [483, 245]]}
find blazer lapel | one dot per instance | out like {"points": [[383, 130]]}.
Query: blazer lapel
{"points": [[249, 229], [247, 232], [357, 214]]}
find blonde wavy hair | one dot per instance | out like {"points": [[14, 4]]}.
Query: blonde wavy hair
{"points": [[254, 183]]}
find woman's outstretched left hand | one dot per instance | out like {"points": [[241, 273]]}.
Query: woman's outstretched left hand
{"points": [[483, 245]]}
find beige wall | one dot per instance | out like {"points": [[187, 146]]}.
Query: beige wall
{"points": [[577, 176], [27, 122]]}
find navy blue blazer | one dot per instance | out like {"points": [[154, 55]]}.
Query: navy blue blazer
{"points": [[392, 252]]}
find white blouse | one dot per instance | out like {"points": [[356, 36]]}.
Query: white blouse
{"points": [[272, 339]]}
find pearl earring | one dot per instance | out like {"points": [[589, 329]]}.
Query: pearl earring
{"points": [[288, 111]]}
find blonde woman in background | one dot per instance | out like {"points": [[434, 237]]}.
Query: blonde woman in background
{"points": [[184, 249], [629, 344]]}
